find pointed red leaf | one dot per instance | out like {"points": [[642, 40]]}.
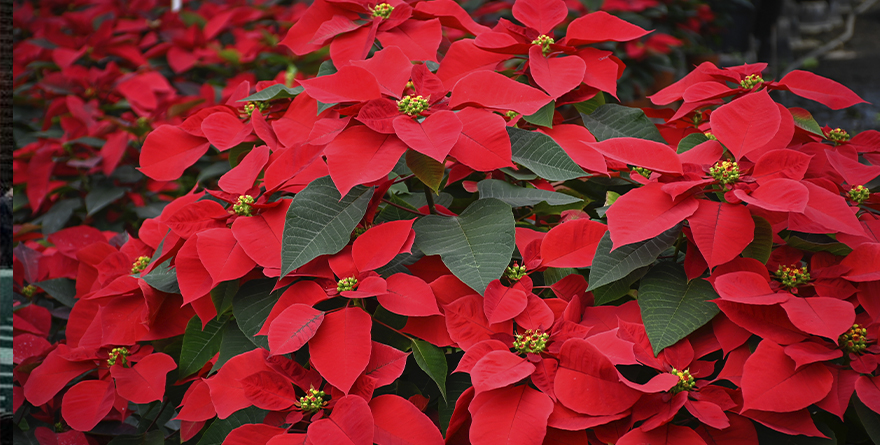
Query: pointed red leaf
{"points": [[868, 389], [293, 327], [194, 280], [409, 295], [741, 432], [260, 235], [853, 171], [478, 351], [168, 151], [572, 244], [601, 27], [793, 423], [557, 75], [222, 255], [253, 434], [467, 324], [588, 383], [224, 130], [350, 423], [502, 303], [769, 322], [646, 212], [360, 155], [811, 352], [269, 390], [826, 212], [771, 383], [863, 263], [746, 123], [419, 39], [484, 144], [498, 369], [489, 89], [749, 288], [399, 422], [386, 363], [782, 163], [537, 314], [539, 15], [227, 392], [340, 350], [667, 434], [349, 84], [391, 67], [241, 178], [87, 403], [575, 139], [196, 217], [433, 137], [510, 416], [721, 230], [824, 316], [821, 89], [196, 405], [145, 381], [380, 244], [777, 195]]}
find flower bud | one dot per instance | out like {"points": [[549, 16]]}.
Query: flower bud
{"points": [[792, 276], [838, 135], [346, 284], [725, 172], [412, 106], [28, 291], [854, 340], [118, 355], [533, 342], [140, 264], [243, 206], [685, 381], [544, 41], [859, 194], [382, 10], [515, 272], [751, 81]]}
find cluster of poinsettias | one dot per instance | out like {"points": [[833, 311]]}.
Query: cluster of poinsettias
{"points": [[292, 320]]}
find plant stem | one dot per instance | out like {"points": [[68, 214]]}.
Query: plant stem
{"points": [[402, 207], [429, 196]]}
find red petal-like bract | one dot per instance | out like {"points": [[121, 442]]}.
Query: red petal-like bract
{"points": [[293, 327], [467, 324], [87, 403], [741, 432], [380, 244], [386, 364], [409, 295], [572, 244], [484, 144], [489, 89], [478, 351], [349, 84], [863, 263], [498, 369], [419, 40], [433, 137], [646, 212], [222, 255], [601, 27], [770, 381], [241, 178], [821, 89], [145, 381], [667, 434], [168, 151], [540, 15], [224, 130], [253, 434], [640, 152], [260, 235], [510, 416], [52, 375], [746, 123], [399, 422], [350, 423], [196, 217], [502, 303], [557, 75], [360, 155], [827, 210], [721, 230], [777, 195], [268, 390], [824, 316], [588, 383], [340, 350], [749, 288], [782, 163]]}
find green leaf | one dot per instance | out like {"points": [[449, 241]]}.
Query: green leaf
{"points": [[323, 107], [234, 343], [476, 245], [455, 386], [163, 278], [220, 428], [612, 292], [326, 68], [200, 345], [154, 437], [590, 105], [609, 266], [544, 116], [522, 174], [251, 307], [817, 243], [804, 120], [63, 290], [554, 274], [277, 91], [690, 141], [319, 223], [432, 360], [429, 171], [762, 245], [672, 307], [391, 213], [58, 215], [223, 294], [542, 155], [615, 121], [521, 196]]}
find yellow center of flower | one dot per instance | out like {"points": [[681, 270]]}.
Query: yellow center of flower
{"points": [[346, 284], [725, 172], [243, 206], [859, 194], [382, 10], [515, 272], [685, 381], [313, 401], [531, 342], [28, 291], [642, 171], [412, 105], [544, 41], [751, 81], [792, 276], [854, 340], [118, 355], [140, 264], [710, 136], [838, 135]]}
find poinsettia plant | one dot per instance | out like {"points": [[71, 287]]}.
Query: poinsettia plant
{"points": [[448, 233]]}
